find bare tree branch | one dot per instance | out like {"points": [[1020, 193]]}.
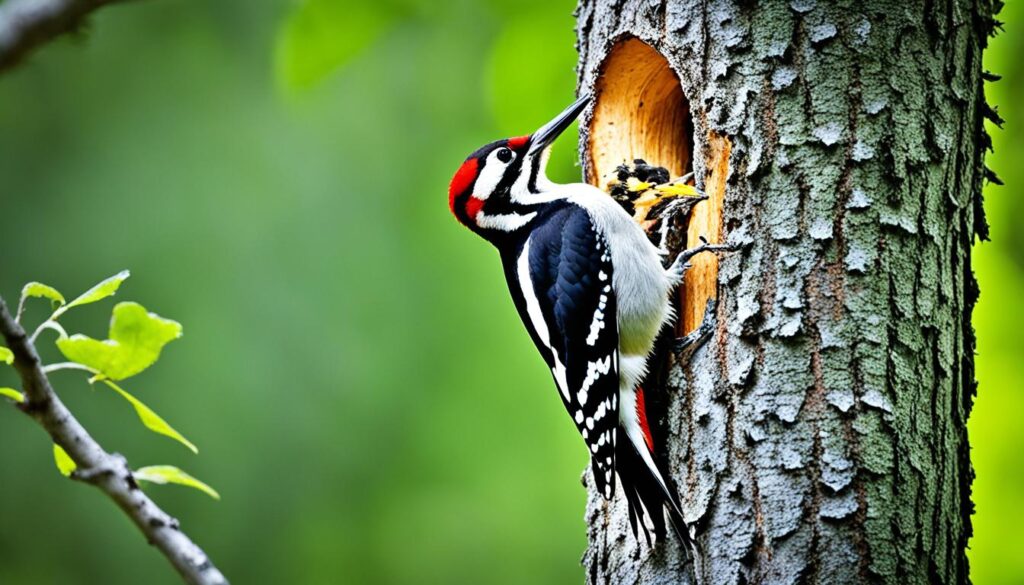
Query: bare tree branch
{"points": [[107, 471], [26, 24]]}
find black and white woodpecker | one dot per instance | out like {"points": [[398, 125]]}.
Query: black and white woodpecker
{"points": [[593, 294]]}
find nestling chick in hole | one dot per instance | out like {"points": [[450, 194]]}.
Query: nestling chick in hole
{"points": [[654, 200]]}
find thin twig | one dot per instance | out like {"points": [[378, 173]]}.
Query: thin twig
{"points": [[48, 324], [26, 24], [67, 366], [107, 471]]}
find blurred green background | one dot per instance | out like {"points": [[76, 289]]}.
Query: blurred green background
{"points": [[275, 176]]}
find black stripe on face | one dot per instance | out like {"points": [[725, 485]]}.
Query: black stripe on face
{"points": [[504, 188], [534, 171], [460, 207]]}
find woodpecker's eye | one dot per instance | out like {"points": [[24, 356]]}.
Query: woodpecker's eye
{"points": [[504, 155]]}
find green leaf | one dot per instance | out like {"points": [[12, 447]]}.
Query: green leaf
{"points": [[150, 419], [96, 293], [6, 356], [320, 36], [12, 394], [64, 462], [164, 474], [40, 290], [136, 338]]}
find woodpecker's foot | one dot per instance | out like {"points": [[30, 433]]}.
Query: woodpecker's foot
{"points": [[682, 261], [685, 346]]}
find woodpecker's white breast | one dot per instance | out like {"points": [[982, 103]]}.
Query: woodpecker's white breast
{"points": [[641, 284]]}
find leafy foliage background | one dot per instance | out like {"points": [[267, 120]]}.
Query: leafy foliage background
{"points": [[366, 401]]}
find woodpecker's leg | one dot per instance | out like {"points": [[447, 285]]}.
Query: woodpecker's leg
{"points": [[682, 261], [685, 346]]}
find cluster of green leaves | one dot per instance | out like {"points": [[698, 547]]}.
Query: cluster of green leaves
{"points": [[134, 343]]}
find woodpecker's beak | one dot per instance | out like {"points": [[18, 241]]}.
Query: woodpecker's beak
{"points": [[547, 134]]}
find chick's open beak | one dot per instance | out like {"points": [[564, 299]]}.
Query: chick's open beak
{"points": [[547, 133]]}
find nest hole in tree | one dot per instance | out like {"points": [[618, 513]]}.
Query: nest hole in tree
{"points": [[640, 111]]}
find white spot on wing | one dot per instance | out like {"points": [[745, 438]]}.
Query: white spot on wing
{"points": [[597, 324], [595, 369]]}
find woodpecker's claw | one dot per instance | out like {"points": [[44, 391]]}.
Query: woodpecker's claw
{"points": [[685, 346], [682, 261]]}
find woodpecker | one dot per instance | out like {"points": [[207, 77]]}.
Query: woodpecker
{"points": [[594, 296]]}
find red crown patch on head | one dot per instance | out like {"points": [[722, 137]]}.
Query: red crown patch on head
{"points": [[463, 178], [517, 142]]}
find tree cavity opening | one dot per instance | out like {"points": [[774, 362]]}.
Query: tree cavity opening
{"points": [[640, 111]]}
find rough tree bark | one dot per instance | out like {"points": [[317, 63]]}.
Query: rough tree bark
{"points": [[820, 435]]}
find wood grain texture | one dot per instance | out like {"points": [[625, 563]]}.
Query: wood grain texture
{"points": [[701, 281]]}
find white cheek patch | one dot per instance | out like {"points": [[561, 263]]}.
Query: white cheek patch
{"points": [[489, 177], [506, 222]]}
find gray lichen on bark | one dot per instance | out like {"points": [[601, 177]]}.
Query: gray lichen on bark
{"points": [[820, 436]]}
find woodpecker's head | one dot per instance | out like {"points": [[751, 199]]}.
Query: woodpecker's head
{"points": [[499, 187]]}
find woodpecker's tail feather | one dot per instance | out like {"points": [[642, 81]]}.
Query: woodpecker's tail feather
{"points": [[648, 496]]}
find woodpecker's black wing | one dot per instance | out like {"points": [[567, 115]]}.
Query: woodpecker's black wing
{"points": [[564, 271]]}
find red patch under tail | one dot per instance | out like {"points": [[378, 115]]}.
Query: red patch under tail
{"points": [[641, 415]]}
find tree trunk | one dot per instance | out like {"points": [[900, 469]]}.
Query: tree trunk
{"points": [[820, 435]]}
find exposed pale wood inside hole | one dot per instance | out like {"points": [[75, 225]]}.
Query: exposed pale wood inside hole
{"points": [[640, 112], [700, 283]]}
